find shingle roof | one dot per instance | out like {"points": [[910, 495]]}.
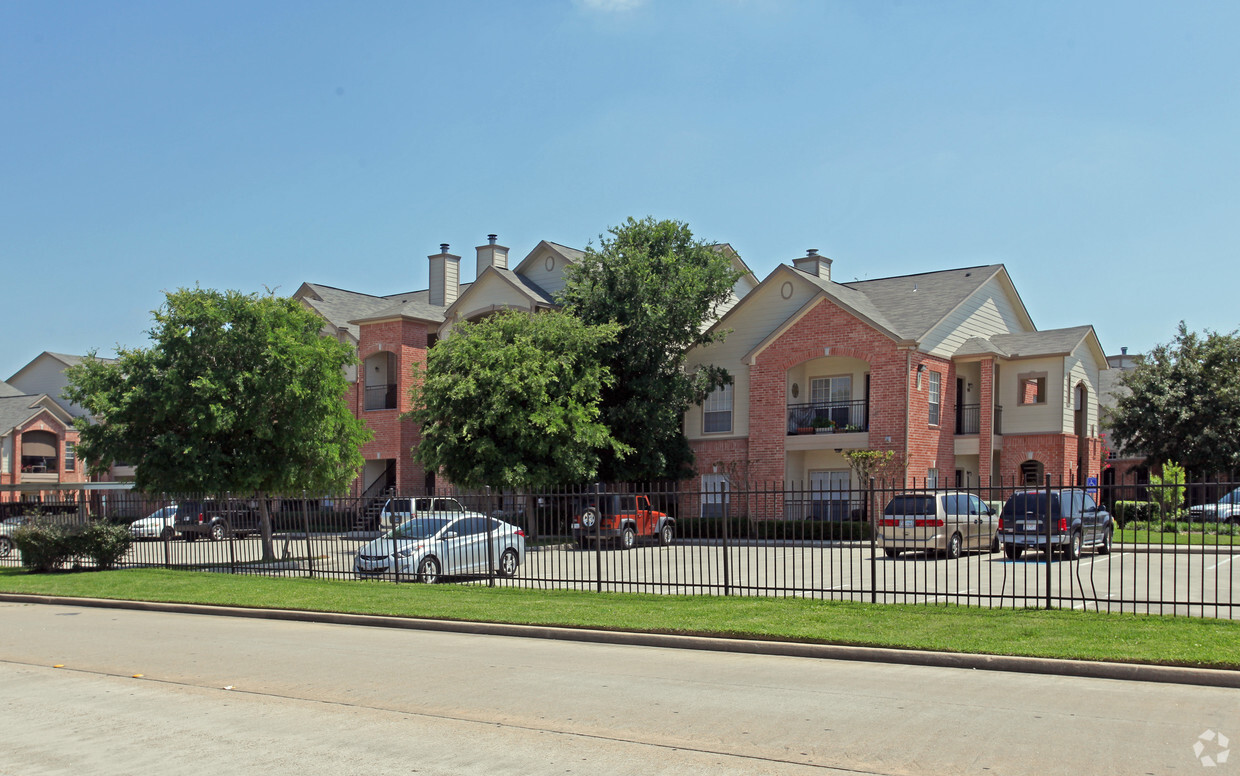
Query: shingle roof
{"points": [[7, 390], [915, 304], [340, 307], [16, 410], [1052, 342], [533, 290]]}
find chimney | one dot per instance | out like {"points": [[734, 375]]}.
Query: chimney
{"points": [[1123, 351], [445, 277], [811, 262], [491, 255]]}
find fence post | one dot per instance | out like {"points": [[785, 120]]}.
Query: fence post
{"points": [[598, 542], [872, 522], [1049, 553], [305, 520], [490, 507], [727, 554]]}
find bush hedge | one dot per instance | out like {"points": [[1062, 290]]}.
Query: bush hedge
{"points": [[46, 546], [774, 530], [1126, 512]]}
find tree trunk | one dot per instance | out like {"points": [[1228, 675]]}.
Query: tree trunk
{"points": [[264, 526]]}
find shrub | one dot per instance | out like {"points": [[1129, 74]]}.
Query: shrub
{"points": [[104, 543], [46, 546], [1126, 512]]}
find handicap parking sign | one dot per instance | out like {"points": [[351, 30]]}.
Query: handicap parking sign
{"points": [[1091, 485]]}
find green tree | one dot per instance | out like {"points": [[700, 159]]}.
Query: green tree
{"points": [[513, 401], [1167, 490], [1182, 403], [661, 286], [237, 393]]}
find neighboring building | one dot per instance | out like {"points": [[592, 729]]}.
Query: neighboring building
{"points": [[392, 334], [945, 368], [45, 376], [38, 444], [1126, 469]]}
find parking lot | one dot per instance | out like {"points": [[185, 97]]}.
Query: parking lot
{"points": [[1142, 579]]}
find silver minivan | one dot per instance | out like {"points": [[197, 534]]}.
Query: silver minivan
{"points": [[947, 522]]}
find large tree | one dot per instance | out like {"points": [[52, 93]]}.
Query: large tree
{"points": [[1182, 403], [237, 393], [513, 401], [661, 285]]}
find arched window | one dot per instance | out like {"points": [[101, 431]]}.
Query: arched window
{"points": [[1031, 472]]}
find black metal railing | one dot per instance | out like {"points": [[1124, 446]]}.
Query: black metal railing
{"points": [[969, 419], [828, 417], [381, 397], [1149, 549]]}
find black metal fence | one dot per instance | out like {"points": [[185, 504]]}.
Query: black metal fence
{"points": [[1168, 550]]}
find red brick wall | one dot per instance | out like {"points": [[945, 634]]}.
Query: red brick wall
{"points": [[44, 421], [931, 446], [393, 438]]}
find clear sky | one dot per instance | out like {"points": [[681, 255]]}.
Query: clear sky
{"points": [[1092, 147]]}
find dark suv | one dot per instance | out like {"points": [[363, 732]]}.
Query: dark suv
{"points": [[1075, 522], [216, 519]]}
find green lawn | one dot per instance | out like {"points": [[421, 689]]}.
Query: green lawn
{"points": [[1130, 536], [1059, 634]]}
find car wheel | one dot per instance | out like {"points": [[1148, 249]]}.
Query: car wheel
{"points": [[953, 547], [628, 538], [667, 534], [1073, 550], [167, 534], [1013, 552], [6, 546], [589, 518], [219, 531], [428, 571], [508, 563], [891, 552], [1107, 539], [994, 545]]}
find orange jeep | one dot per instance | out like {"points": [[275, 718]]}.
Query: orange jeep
{"points": [[624, 517]]}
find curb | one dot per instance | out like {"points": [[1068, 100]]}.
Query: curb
{"points": [[1131, 672]]}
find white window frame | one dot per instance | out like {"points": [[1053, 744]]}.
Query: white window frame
{"points": [[934, 412], [718, 407]]}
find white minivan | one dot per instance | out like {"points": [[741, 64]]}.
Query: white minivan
{"points": [[398, 510], [947, 522]]}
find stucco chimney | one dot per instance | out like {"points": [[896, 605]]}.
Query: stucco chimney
{"points": [[445, 277], [811, 262], [491, 255]]}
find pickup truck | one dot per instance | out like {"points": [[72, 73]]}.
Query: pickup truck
{"points": [[627, 518]]}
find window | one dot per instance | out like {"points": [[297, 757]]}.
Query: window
{"points": [[717, 411], [932, 478], [936, 396], [1031, 388], [715, 495], [70, 456], [831, 398]]}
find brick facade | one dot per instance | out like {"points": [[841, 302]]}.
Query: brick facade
{"points": [[394, 438]]}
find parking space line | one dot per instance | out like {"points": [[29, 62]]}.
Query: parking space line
{"points": [[1220, 563]]}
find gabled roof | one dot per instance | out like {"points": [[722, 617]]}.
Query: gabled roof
{"points": [[572, 255], [519, 283], [1035, 344], [915, 304], [7, 390], [16, 410], [344, 308], [64, 359]]}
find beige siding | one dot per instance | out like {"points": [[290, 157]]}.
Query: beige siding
{"points": [[1048, 418], [46, 375], [1082, 367], [764, 311], [989, 310], [551, 280]]}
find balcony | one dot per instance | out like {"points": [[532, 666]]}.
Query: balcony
{"points": [[829, 417], [381, 397], [969, 420]]}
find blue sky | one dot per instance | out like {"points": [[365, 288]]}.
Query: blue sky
{"points": [[1091, 147]]}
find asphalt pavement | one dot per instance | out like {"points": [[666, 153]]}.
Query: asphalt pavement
{"points": [[143, 691]]}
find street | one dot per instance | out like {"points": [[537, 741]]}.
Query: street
{"points": [[190, 694]]}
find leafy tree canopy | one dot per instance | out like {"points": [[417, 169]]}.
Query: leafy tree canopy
{"points": [[513, 401], [661, 285], [1182, 403], [237, 393]]}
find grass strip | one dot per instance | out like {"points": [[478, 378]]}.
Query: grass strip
{"points": [[1129, 536], [1072, 635]]}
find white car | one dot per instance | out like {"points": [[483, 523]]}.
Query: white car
{"points": [[157, 525], [1225, 510], [427, 548], [7, 527]]}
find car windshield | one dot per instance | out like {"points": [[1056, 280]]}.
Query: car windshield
{"points": [[161, 514], [910, 505], [419, 528], [1027, 504]]}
